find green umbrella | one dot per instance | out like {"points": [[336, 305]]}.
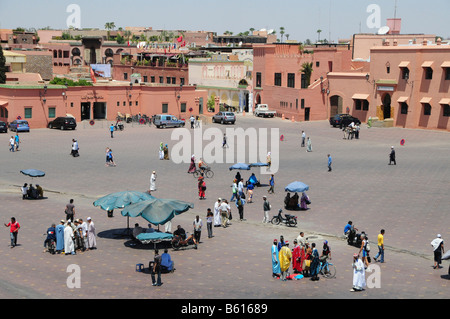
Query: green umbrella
{"points": [[157, 211]]}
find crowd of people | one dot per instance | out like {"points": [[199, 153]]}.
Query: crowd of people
{"points": [[31, 192]]}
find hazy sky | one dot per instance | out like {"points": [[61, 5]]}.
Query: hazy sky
{"points": [[338, 19]]}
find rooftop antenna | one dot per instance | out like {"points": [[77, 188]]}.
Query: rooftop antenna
{"points": [[395, 15]]}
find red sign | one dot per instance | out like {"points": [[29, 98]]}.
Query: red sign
{"points": [[402, 142]]}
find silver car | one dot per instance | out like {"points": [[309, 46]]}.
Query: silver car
{"points": [[224, 117]]}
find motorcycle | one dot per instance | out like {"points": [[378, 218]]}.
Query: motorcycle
{"points": [[178, 242], [353, 238], [118, 126], [289, 220], [51, 246]]}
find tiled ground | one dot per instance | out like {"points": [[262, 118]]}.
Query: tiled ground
{"points": [[409, 200]]}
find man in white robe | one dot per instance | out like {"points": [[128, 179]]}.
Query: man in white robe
{"points": [[69, 246], [217, 217], [153, 182], [359, 274], [91, 234]]}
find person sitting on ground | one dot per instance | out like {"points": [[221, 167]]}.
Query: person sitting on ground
{"points": [[32, 193], [40, 191], [294, 201], [253, 180], [150, 229], [304, 201], [180, 232], [166, 262]]}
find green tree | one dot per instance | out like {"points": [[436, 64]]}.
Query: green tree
{"points": [[2, 67], [307, 68], [282, 33], [318, 32], [109, 26]]}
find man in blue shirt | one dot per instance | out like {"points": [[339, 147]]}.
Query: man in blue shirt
{"points": [[111, 129], [166, 262], [51, 235]]}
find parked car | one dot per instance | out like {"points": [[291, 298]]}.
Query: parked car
{"points": [[19, 126], [343, 120], [263, 110], [163, 121], [3, 127], [224, 117], [63, 123]]}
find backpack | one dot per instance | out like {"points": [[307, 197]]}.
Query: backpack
{"points": [[367, 246]]}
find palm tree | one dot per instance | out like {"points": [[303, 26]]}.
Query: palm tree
{"points": [[319, 31], [307, 70], [109, 26], [251, 30], [281, 32]]}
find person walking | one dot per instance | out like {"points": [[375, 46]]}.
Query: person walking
{"points": [[201, 187], [75, 148], [234, 190], [13, 231], [308, 145], [359, 275], [380, 247], [330, 161], [192, 119], [156, 269], [266, 209], [315, 263], [224, 213], [17, 141], [152, 182], [111, 130], [303, 138], [209, 222], [438, 247], [272, 184], [217, 215], [12, 143], [197, 228], [276, 271], [392, 156], [224, 142], [161, 151], [240, 202]]}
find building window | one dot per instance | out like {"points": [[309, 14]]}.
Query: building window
{"points": [[136, 103], [152, 79], [165, 108], [426, 109], [296, 104], [183, 107], [365, 105], [405, 73], [28, 112], [446, 110], [125, 76], [291, 80], [403, 108], [182, 81], [118, 103], [130, 103], [358, 105], [51, 112], [145, 78], [71, 104], [277, 80], [317, 64], [124, 103], [168, 79], [304, 83], [302, 103], [428, 73], [174, 80], [447, 73], [258, 79], [161, 79]]}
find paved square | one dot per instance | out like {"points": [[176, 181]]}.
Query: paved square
{"points": [[409, 200]]}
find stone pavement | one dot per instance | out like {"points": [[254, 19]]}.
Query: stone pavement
{"points": [[409, 200]]}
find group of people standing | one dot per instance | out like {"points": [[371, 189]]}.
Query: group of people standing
{"points": [[163, 151], [14, 142], [303, 257]]}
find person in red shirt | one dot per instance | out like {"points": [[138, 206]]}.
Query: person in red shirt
{"points": [[14, 230]]}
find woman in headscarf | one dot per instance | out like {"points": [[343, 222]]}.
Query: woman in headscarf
{"points": [[161, 151], [296, 258], [192, 168], [166, 152], [308, 145]]}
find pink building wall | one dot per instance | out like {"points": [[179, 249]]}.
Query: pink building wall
{"points": [[149, 101]]}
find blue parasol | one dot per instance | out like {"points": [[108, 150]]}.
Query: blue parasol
{"points": [[296, 187], [240, 166], [33, 172]]}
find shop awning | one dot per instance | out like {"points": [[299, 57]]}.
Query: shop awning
{"points": [[3, 103], [404, 64], [427, 64], [360, 96], [426, 100], [402, 99], [446, 64], [445, 101]]}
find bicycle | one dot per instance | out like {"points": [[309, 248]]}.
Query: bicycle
{"points": [[207, 172], [327, 269]]}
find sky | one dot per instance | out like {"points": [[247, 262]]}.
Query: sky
{"points": [[338, 19]]}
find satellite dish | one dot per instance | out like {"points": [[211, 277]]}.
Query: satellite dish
{"points": [[384, 30], [270, 31]]}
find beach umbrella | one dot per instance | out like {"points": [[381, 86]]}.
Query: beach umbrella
{"points": [[33, 172], [121, 199], [157, 211], [240, 166], [296, 187], [258, 164]]}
